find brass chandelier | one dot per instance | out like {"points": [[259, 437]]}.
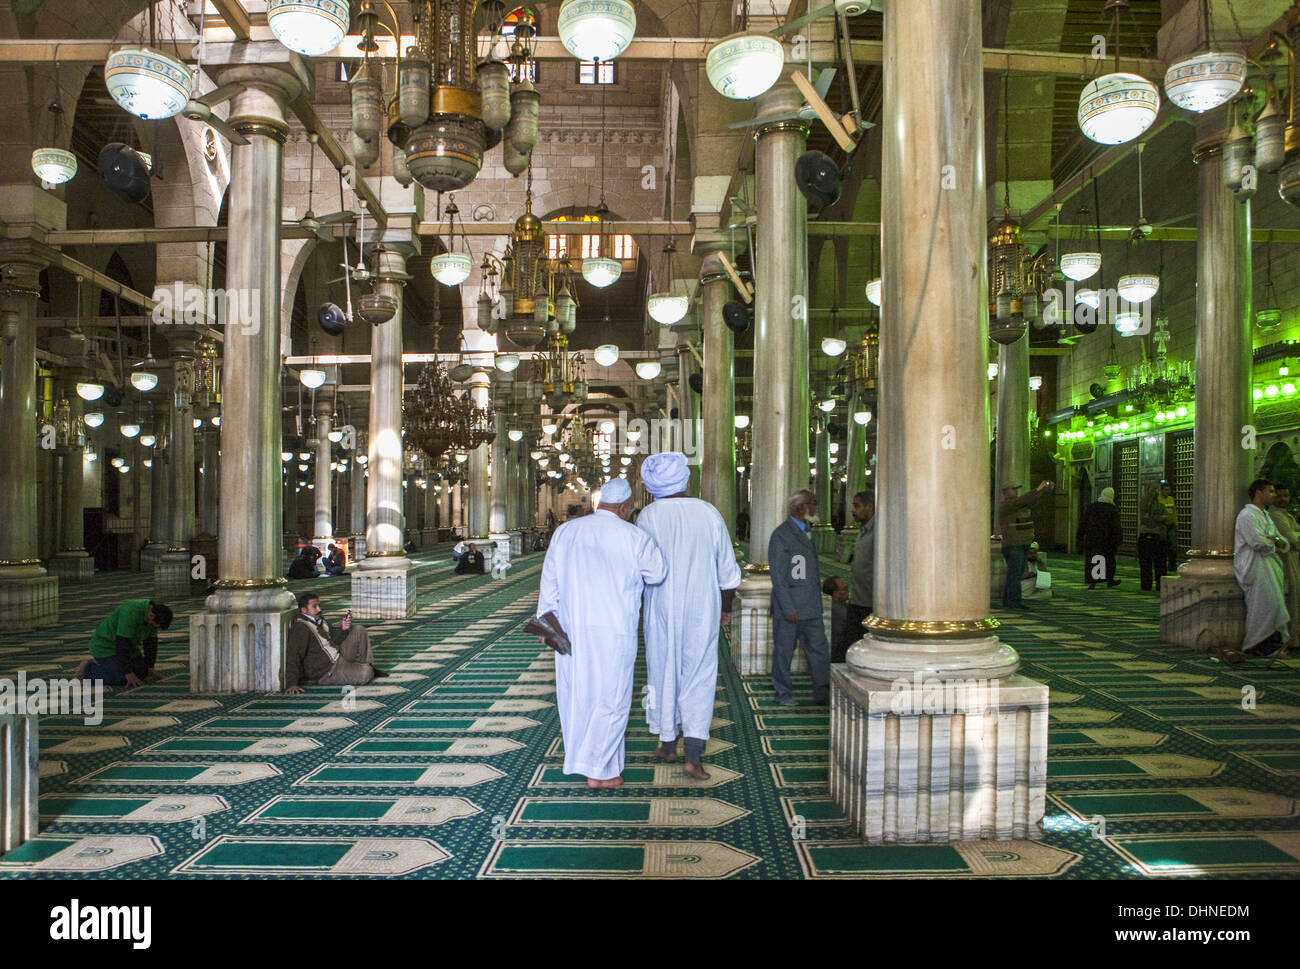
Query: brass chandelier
{"points": [[437, 421]]}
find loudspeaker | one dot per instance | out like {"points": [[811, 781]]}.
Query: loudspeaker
{"points": [[124, 172], [1097, 391], [736, 315], [818, 178], [332, 319]]}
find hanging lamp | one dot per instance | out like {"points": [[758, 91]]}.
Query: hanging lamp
{"points": [[54, 166], [1119, 106], [596, 29], [451, 268], [310, 27], [667, 307], [600, 269], [1205, 78]]}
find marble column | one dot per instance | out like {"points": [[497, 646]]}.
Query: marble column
{"points": [[171, 577], [323, 519], [237, 641], [903, 767], [159, 499], [210, 481], [479, 494], [357, 497], [780, 427], [29, 597], [718, 406], [72, 563], [689, 412], [855, 461], [457, 508], [823, 532], [1202, 607], [384, 585], [500, 483], [1011, 451]]}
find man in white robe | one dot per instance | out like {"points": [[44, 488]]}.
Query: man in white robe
{"points": [[1256, 559], [592, 579], [683, 614]]}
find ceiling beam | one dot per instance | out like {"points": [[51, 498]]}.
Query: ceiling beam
{"points": [[236, 18], [306, 113]]}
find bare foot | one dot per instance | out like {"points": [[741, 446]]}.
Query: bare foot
{"points": [[696, 771], [610, 782], [667, 752]]}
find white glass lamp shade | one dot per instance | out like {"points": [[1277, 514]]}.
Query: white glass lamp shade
{"points": [[197, 423], [648, 369], [543, 462], [667, 308], [311, 379], [607, 426], [1088, 297], [216, 421], [311, 27], [148, 463], [549, 428], [148, 440], [144, 380], [363, 460], [1116, 108], [515, 434], [833, 346], [462, 458], [993, 371], [92, 456], [118, 462], [334, 436], [94, 419], [827, 406], [625, 461], [862, 417], [596, 29], [147, 83], [89, 390], [1128, 322], [1138, 288], [286, 456], [304, 455], [633, 436], [1205, 79], [742, 421], [601, 271], [535, 455], [130, 430], [1035, 382], [507, 362], [451, 268], [873, 292], [606, 355], [54, 166], [743, 66], [1080, 265]]}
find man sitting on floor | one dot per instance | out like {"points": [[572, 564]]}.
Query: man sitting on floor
{"points": [[336, 562], [124, 646], [304, 566], [320, 656], [471, 561]]}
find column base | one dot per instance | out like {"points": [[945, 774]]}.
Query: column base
{"points": [[997, 570], [171, 577], [824, 538], [358, 548], [751, 628], [1203, 607], [29, 598], [19, 781], [383, 593], [72, 567], [516, 543], [237, 643], [150, 554], [926, 760]]}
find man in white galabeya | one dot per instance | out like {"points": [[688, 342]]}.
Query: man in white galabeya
{"points": [[1256, 560], [592, 579], [682, 615]]}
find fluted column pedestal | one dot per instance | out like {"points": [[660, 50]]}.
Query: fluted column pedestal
{"points": [[172, 576], [323, 518], [237, 642], [19, 780], [1202, 607], [933, 737], [383, 586], [29, 597], [500, 483]]}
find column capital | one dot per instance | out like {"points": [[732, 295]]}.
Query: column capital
{"points": [[20, 273], [781, 103], [259, 108], [390, 262]]}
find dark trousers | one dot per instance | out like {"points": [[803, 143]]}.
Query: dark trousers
{"points": [[853, 631], [113, 671], [1017, 557], [812, 634], [1153, 556], [1171, 555], [1090, 556]]}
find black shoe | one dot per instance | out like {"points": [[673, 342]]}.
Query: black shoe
{"points": [[379, 674], [1266, 648]]}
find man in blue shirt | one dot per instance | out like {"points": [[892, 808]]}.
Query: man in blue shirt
{"points": [[797, 601]]}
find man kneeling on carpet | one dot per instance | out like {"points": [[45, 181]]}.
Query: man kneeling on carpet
{"points": [[124, 646], [320, 656]]}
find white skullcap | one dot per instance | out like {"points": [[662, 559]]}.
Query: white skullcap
{"points": [[665, 474], [615, 491]]}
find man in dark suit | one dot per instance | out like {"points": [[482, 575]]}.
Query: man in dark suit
{"points": [[471, 561], [797, 601]]}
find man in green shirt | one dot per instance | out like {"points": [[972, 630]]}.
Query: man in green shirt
{"points": [[124, 646]]}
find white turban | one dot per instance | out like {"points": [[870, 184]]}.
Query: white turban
{"points": [[665, 474], [615, 491]]}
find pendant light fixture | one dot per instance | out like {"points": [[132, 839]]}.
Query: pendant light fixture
{"points": [[1138, 287], [648, 369], [606, 355], [1268, 316], [311, 27], [54, 166], [146, 82], [451, 268], [1205, 78], [745, 64], [1082, 261], [666, 307], [1117, 107], [596, 29], [600, 269], [833, 345], [144, 375]]}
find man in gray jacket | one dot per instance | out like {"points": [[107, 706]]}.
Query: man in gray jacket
{"points": [[863, 574], [797, 601]]}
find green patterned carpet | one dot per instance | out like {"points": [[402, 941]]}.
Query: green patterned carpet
{"points": [[451, 768]]}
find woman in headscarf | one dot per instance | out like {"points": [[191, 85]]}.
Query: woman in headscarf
{"points": [[1099, 535]]}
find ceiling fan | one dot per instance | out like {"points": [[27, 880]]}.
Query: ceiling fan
{"points": [[310, 220]]}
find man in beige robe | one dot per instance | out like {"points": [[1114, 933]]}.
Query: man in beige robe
{"points": [[1290, 530]]}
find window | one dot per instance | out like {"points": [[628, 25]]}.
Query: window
{"points": [[587, 72], [590, 247], [623, 247], [554, 245]]}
